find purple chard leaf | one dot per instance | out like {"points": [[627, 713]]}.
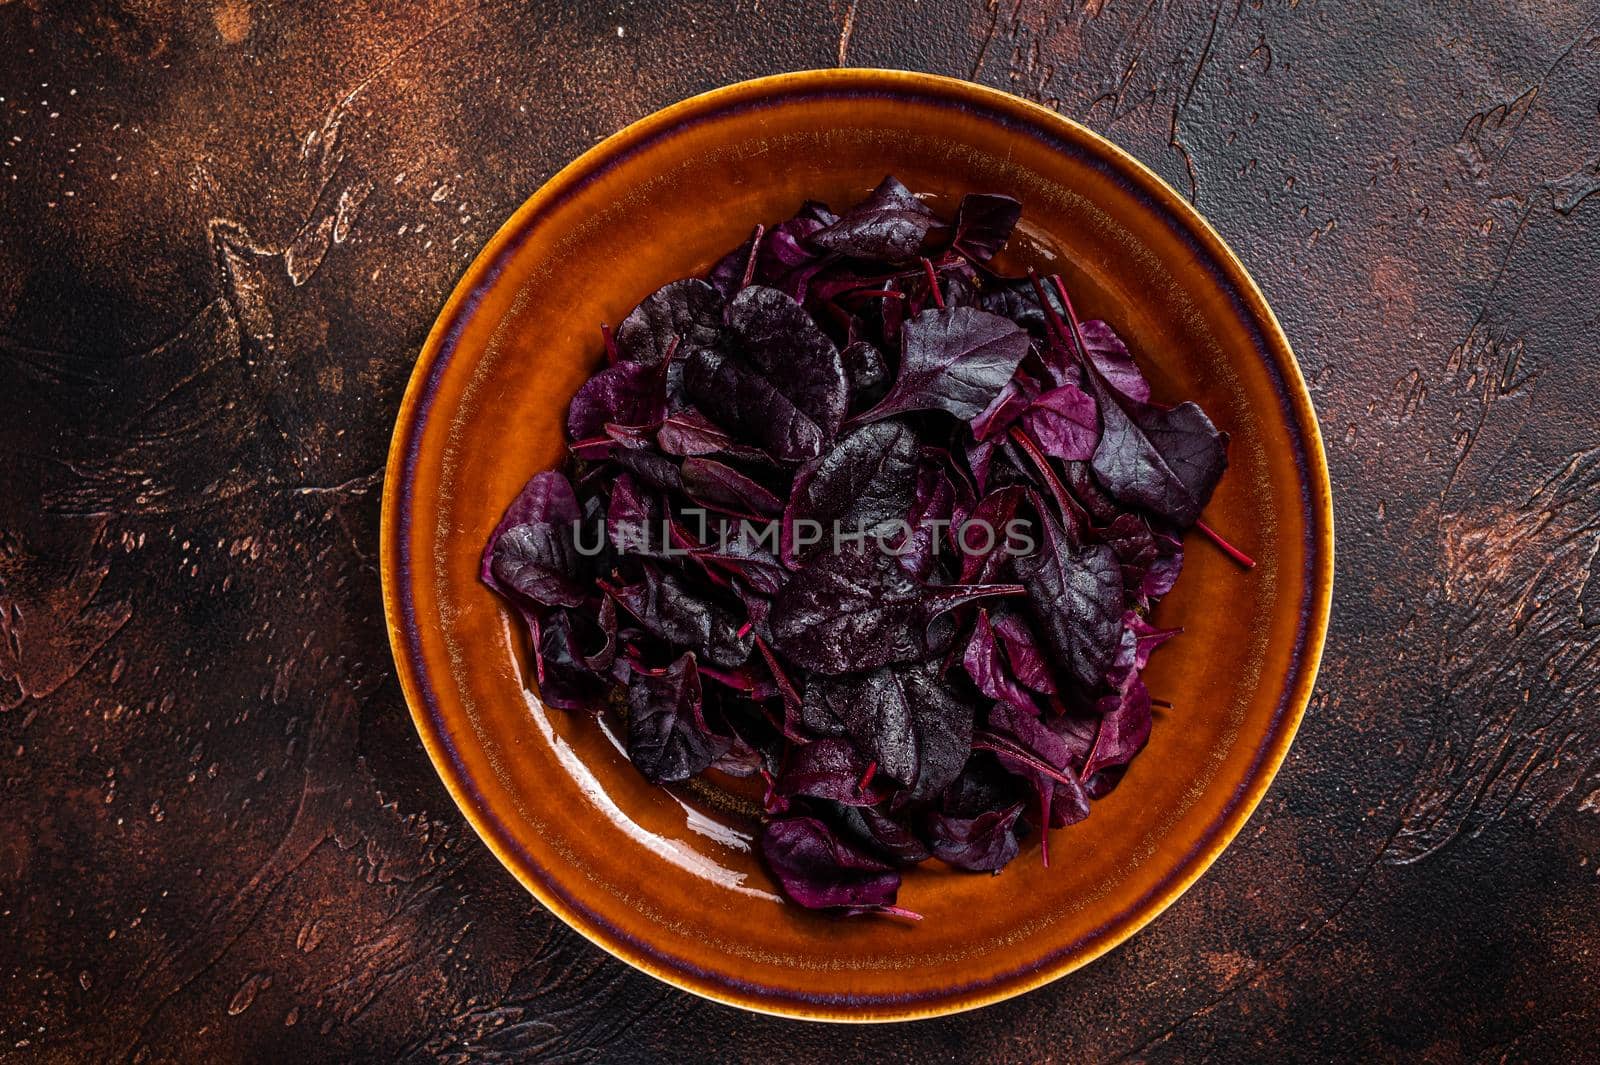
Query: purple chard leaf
{"points": [[778, 337], [954, 360], [820, 871], [857, 609], [984, 222], [904, 717], [741, 399], [1064, 422], [891, 224], [1164, 461], [685, 315], [1075, 594], [532, 554], [667, 736]]}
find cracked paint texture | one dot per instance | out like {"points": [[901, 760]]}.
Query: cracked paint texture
{"points": [[225, 228]]}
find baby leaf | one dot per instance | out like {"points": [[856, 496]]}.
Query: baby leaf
{"points": [[721, 487], [685, 314], [904, 718], [667, 737], [819, 870], [955, 360], [532, 554], [1113, 361], [1165, 461], [1022, 651], [781, 340], [890, 225], [669, 609], [866, 479], [1064, 423], [830, 769], [626, 394], [986, 665], [741, 399], [984, 222], [857, 610], [867, 373], [984, 843], [1075, 594]]}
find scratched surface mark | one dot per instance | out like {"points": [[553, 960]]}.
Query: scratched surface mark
{"points": [[225, 227]]}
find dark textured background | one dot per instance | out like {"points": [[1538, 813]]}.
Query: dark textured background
{"points": [[225, 227]]}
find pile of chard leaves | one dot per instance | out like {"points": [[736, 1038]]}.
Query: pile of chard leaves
{"points": [[920, 689]]}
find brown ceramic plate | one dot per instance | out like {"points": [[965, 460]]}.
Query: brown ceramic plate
{"points": [[668, 880]]}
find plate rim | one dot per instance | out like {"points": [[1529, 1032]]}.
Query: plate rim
{"points": [[1316, 484]]}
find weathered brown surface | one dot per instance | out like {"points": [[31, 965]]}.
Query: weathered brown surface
{"points": [[226, 228]]}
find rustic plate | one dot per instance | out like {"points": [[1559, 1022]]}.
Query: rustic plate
{"points": [[667, 880]]}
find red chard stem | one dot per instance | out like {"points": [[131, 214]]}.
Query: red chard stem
{"points": [[594, 447], [732, 680], [1069, 507], [538, 646], [1044, 827], [750, 264], [779, 677], [942, 599], [1227, 549], [1005, 749], [933, 283], [1072, 317], [1058, 329], [1088, 759]]}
